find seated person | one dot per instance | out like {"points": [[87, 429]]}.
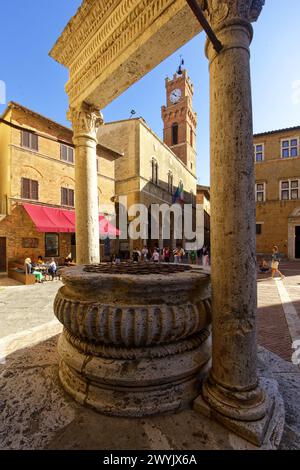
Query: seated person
{"points": [[263, 266], [69, 260], [29, 269], [38, 276], [40, 260], [28, 266], [52, 268]]}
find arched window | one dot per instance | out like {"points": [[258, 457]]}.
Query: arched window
{"points": [[154, 171], [175, 133], [191, 137], [170, 182]]}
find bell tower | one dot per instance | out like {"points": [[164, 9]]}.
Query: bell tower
{"points": [[180, 121]]}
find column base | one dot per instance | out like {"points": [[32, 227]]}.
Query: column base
{"points": [[265, 432]]}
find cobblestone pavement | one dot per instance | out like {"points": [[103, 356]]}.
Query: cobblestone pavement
{"points": [[29, 307]]}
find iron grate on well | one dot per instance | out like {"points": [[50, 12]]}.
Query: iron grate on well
{"points": [[136, 268]]}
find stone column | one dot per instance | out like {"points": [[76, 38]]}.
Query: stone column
{"points": [[232, 389], [85, 122]]}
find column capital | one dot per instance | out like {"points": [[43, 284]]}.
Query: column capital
{"points": [[222, 12], [85, 119], [231, 21]]}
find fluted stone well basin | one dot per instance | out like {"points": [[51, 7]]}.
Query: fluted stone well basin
{"points": [[136, 336]]}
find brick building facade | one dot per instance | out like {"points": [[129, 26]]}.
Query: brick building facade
{"points": [[37, 167]]}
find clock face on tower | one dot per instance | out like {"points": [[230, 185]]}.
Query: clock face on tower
{"points": [[175, 95]]}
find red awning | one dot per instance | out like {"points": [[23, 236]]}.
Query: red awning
{"points": [[49, 219]]}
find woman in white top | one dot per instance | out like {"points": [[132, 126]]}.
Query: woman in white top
{"points": [[155, 256]]}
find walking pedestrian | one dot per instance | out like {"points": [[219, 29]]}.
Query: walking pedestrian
{"points": [[145, 253], [166, 254], [155, 256], [200, 256], [193, 256], [275, 262]]}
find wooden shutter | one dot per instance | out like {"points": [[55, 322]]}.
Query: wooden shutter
{"points": [[64, 196], [71, 155], [34, 190], [25, 188], [25, 139], [34, 142], [63, 152], [71, 197]]}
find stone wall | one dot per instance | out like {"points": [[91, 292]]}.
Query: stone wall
{"points": [[46, 165], [273, 214]]}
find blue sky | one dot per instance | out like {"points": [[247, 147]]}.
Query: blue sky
{"points": [[30, 28]]}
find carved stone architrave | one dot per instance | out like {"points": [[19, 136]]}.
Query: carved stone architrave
{"points": [[109, 45], [86, 120]]}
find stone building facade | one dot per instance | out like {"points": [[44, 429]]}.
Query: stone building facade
{"points": [[151, 169], [37, 167], [277, 190]]}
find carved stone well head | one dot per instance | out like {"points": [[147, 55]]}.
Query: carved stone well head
{"points": [[136, 336]]}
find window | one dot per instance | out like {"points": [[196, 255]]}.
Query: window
{"points": [[170, 182], [289, 189], [97, 163], [191, 137], [154, 171], [51, 244], [29, 140], [29, 189], [174, 134], [260, 195], [289, 148], [66, 153], [67, 197], [258, 229], [259, 152]]}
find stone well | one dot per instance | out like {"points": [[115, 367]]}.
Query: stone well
{"points": [[136, 338]]}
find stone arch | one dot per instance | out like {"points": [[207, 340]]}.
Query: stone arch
{"points": [[295, 212], [175, 128], [30, 172], [67, 182]]}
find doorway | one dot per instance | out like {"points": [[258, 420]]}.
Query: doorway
{"points": [[73, 246], [297, 242], [2, 254]]}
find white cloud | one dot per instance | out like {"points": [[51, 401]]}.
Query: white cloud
{"points": [[296, 92]]}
